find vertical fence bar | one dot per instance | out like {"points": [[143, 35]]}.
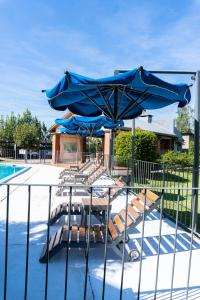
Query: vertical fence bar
{"points": [[27, 243], [195, 182], [6, 243], [48, 231], [124, 241], [106, 241], [191, 243], [142, 244], [88, 246], [175, 242], [68, 236], [187, 222], [159, 242], [174, 196]]}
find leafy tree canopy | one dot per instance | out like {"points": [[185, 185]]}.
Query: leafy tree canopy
{"points": [[26, 136], [11, 127], [184, 120]]}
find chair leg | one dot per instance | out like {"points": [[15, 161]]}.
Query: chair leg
{"points": [[117, 250]]}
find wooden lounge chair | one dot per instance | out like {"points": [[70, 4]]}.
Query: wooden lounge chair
{"points": [[77, 237], [75, 170], [81, 175], [114, 192], [63, 208], [89, 179]]}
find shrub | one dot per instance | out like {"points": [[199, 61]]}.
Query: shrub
{"points": [[177, 158], [145, 146]]}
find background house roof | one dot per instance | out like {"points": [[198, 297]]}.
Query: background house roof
{"points": [[53, 128], [157, 126]]}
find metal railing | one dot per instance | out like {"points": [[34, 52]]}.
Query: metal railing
{"points": [[17, 229], [28, 156], [144, 173]]}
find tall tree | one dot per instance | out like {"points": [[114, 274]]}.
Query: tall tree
{"points": [[7, 127], [184, 120], [26, 136], [12, 129]]}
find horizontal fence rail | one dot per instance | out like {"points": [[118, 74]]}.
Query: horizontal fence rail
{"points": [[96, 224], [25, 156]]}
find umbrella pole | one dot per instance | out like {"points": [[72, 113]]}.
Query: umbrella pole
{"points": [[133, 154], [111, 156]]}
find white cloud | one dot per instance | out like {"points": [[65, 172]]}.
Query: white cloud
{"points": [[129, 38]]}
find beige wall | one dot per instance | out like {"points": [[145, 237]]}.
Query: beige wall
{"points": [[59, 154], [67, 156]]}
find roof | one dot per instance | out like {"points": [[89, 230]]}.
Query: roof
{"points": [[159, 127], [53, 128]]}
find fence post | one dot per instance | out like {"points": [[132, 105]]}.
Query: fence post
{"points": [[195, 183]]}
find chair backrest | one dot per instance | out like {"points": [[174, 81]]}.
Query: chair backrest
{"points": [[135, 211], [95, 174]]}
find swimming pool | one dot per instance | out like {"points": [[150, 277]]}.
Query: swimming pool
{"points": [[9, 171]]}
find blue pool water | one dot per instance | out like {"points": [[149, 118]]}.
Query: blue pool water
{"points": [[6, 171]]}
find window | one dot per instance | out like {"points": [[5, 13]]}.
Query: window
{"points": [[70, 147]]}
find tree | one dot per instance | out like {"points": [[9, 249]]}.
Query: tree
{"points": [[7, 128], [184, 120], [9, 125], [26, 136], [145, 146]]}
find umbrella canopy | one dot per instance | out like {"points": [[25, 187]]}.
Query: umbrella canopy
{"points": [[120, 97], [82, 132], [88, 123], [87, 126]]}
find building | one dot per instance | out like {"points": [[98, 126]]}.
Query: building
{"points": [[169, 137], [72, 148], [67, 148]]}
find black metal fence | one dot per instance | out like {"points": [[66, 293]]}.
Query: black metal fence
{"points": [[144, 173], [26, 156], [15, 227]]}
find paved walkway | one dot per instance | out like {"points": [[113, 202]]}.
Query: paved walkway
{"points": [[41, 174]]}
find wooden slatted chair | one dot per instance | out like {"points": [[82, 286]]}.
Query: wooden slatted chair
{"points": [[63, 208], [75, 170], [76, 236], [86, 179], [86, 174]]}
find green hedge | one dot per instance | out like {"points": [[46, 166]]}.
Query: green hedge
{"points": [[145, 146], [177, 158]]}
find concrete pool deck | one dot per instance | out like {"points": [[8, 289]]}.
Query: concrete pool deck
{"points": [[43, 174]]}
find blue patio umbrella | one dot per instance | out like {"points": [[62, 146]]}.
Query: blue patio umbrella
{"points": [[88, 124], [82, 132], [119, 97]]}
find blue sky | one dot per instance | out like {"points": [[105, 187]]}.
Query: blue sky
{"points": [[40, 39]]}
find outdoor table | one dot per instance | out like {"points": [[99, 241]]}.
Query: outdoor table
{"points": [[98, 208]]}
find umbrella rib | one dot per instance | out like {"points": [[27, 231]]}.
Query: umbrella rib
{"points": [[93, 101], [132, 104], [106, 103], [121, 100]]}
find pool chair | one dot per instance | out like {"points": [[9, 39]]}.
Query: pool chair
{"points": [[80, 176], [79, 236], [74, 169], [86, 178], [114, 192], [76, 207]]}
